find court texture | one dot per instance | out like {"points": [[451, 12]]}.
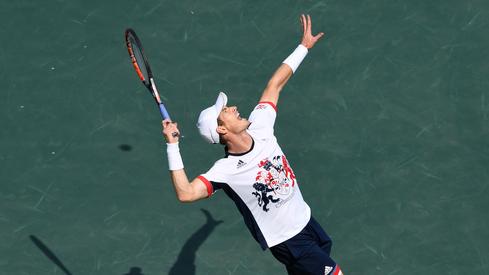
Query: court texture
{"points": [[385, 123]]}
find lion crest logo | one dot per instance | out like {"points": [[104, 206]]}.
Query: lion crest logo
{"points": [[274, 182]]}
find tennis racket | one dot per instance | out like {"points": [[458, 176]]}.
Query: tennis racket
{"points": [[141, 65]]}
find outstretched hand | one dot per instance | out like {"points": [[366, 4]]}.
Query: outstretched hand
{"points": [[308, 40]]}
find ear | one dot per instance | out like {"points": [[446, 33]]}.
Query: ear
{"points": [[221, 130]]}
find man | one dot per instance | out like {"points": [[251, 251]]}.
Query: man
{"points": [[256, 175]]}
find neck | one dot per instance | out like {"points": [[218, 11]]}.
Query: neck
{"points": [[240, 143]]}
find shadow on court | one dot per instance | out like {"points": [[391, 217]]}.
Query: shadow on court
{"points": [[185, 263], [48, 253], [134, 271], [125, 147]]}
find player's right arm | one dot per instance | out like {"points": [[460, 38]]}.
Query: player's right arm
{"points": [[186, 191]]}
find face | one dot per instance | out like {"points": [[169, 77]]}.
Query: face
{"points": [[229, 120]]}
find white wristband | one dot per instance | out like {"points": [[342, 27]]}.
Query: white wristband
{"points": [[174, 159], [296, 57]]}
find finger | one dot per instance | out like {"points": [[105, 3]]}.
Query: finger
{"points": [[171, 128], [309, 23], [171, 125], [319, 35], [303, 21]]}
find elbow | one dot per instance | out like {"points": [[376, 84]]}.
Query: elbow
{"points": [[185, 198], [275, 86]]}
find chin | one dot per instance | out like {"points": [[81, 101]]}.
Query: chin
{"points": [[246, 123]]}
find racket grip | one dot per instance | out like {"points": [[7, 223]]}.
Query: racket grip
{"points": [[165, 115], [164, 112]]}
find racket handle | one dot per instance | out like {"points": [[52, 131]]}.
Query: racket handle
{"points": [[164, 112], [165, 115]]}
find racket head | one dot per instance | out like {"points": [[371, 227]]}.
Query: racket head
{"points": [[138, 58]]}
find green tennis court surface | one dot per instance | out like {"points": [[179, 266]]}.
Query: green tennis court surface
{"points": [[386, 125]]}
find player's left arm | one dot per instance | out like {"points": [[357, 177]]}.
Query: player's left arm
{"points": [[288, 67]]}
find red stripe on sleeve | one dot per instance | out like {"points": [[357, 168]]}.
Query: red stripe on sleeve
{"points": [[336, 270], [271, 104], [210, 189]]}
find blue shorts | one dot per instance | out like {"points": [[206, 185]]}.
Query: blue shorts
{"points": [[307, 252]]}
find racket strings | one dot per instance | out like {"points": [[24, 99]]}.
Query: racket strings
{"points": [[137, 58]]}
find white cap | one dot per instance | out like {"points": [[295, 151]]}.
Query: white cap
{"points": [[207, 123]]}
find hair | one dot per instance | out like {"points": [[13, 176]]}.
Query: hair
{"points": [[221, 141], [219, 122]]}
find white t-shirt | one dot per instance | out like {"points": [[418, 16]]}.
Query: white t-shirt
{"points": [[262, 183]]}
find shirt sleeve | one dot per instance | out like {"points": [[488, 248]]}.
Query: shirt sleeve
{"points": [[213, 178], [263, 119]]}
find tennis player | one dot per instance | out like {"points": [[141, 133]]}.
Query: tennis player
{"points": [[256, 175]]}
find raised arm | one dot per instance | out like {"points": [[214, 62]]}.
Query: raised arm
{"points": [[186, 191], [288, 67]]}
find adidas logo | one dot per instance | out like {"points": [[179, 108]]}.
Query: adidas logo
{"points": [[240, 164], [327, 269]]}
